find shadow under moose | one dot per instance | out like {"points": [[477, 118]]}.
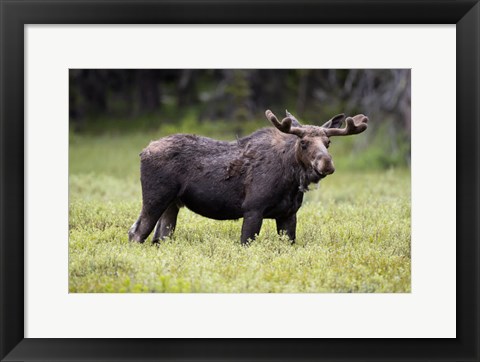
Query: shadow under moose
{"points": [[260, 176]]}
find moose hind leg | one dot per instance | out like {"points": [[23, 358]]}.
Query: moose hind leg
{"points": [[252, 223], [133, 229], [166, 224], [288, 226], [149, 216]]}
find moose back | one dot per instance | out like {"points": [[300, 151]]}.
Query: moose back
{"points": [[261, 176]]}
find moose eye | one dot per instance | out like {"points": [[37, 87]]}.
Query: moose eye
{"points": [[303, 144]]}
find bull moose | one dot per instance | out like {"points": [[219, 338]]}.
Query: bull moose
{"points": [[260, 176]]}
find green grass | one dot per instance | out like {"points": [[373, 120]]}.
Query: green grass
{"points": [[353, 233]]}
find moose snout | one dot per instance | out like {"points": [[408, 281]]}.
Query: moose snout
{"points": [[329, 170], [324, 166], [326, 171]]}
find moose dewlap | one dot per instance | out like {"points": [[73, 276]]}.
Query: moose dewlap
{"points": [[261, 176]]}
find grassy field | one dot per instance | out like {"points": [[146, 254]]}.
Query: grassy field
{"points": [[353, 232]]}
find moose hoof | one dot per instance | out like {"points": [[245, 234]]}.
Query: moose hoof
{"points": [[134, 238]]}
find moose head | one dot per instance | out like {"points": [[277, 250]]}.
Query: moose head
{"points": [[311, 148]]}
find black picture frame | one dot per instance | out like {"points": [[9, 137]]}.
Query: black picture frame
{"points": [[16, 14]]}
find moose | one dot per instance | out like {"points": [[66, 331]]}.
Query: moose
{"points": [[260, 176]]}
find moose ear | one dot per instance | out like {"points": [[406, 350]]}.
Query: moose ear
{"points": [[335, 122], [295, 122]]}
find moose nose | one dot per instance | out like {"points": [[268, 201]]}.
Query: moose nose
{"points": [[329, 171], [328, 167]]}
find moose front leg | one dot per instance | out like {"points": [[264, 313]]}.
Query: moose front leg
{"points": [[287, 225], [252, 223]]}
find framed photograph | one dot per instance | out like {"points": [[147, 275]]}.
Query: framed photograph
{"points": [[174, 187], [230, 204]]}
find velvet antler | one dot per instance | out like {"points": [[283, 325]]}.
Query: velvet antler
{"points": [[354, 125], [285, 126]]}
